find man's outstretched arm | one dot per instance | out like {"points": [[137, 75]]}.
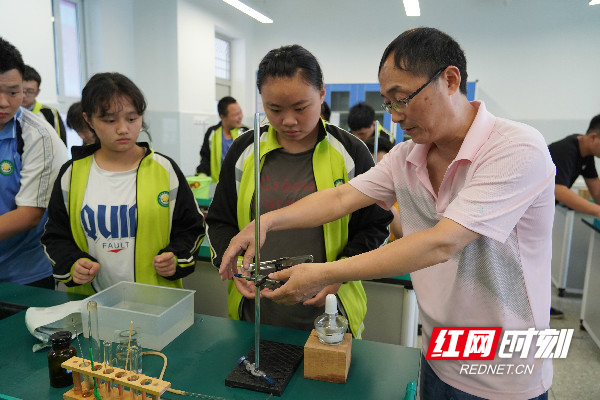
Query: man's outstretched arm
{"points": [[313, 210], [410, 253]]}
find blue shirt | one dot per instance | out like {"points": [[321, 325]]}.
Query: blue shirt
{"points": [[22, 258], [225, 145]]}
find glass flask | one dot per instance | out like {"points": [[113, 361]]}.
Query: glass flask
{"points": [[331, 326]]}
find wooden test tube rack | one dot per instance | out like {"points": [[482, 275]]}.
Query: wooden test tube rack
{"points": [[127, 382]]}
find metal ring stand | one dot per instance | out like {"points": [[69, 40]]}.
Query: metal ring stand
{"points": [[280, 360]]}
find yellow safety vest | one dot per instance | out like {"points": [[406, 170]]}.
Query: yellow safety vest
{"points": [[329, 169], [153, 219], [216, 151]]}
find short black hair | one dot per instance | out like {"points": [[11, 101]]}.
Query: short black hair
{"points": [[75, 119], [361, 115], [325, 111], [594, 125], [424, 51], [383, 144], [103, 88], [224, 103], [10, 58], [30, 74], [285, 62]]}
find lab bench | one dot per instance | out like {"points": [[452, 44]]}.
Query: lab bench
{"points": [[569, 249], [590, 303], [200, 359]]}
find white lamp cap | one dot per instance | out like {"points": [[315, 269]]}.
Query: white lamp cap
{"points": [[331, 304]]}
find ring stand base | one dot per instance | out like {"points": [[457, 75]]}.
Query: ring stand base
{"points": [[278, 361]]}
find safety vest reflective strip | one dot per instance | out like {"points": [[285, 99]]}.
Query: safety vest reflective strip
{"points": [[36, 110]]}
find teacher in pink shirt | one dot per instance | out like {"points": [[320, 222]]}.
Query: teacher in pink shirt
{"points": [[476, 201]]}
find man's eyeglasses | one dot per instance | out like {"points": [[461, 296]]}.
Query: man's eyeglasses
{"points": [[29, 92], [402, 104]]}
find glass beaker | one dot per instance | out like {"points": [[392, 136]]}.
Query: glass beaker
{"points": [[128, 353]]}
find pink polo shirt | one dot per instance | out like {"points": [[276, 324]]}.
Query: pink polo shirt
{"points": [[500, 185]]}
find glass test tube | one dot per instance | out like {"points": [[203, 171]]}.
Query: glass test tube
{"points": [[93, 333], [93, 350], [106, 364]]}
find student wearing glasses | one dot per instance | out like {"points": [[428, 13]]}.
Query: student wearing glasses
{"points": [[31, 89], [476, 200]]}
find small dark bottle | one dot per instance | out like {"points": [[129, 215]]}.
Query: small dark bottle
{"points": [[61, 352]]}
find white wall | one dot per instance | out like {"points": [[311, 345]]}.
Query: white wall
{"points": [[27, 24], [110, 36], [196, 27], [535, 60]]}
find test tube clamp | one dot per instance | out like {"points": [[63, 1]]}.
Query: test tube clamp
{"points": [[260, 275], [127, 383]]}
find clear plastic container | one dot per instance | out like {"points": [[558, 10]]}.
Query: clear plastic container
{"points": [[162, 313]]}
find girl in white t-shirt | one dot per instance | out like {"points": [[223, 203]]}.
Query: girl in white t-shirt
{"points": [[121, 211]]}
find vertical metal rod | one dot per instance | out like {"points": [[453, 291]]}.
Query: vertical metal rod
{"points": [[393, 132], [256, 237], [376, 142]]}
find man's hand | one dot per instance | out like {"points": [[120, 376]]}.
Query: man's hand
{"points": [[303, 282], [319, 299], [245, 287], [242, 243], [165, 264], [85, 270]]}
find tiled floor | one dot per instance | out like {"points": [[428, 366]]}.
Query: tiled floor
{"points": [[578, 375]]}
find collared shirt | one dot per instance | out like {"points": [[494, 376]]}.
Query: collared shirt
{"points": [[30, 156], [500, 185]]}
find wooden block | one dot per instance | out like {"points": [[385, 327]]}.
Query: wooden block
{"points": [[329, 363]]}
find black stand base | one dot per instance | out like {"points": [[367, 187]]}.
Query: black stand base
{"points": [[277, 360]]}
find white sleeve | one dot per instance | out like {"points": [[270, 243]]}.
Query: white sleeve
{"points": [[43, 155]]}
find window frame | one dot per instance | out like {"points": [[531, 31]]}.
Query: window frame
{"points": [[222, 81], [58, 49]]}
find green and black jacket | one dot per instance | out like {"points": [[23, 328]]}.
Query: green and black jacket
{"points": [[177, 227], [211, 152], [338, 156]]}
